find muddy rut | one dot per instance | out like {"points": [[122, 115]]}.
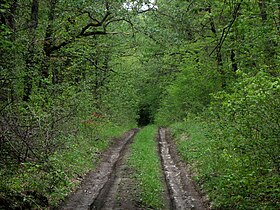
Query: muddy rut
{"points": [[96, 181], [112, 186], [182, 190]]}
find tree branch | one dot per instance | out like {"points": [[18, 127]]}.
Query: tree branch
{"points": [[83, 33], [226, 30]]}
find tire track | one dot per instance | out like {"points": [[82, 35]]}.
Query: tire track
{"points": [[182, 191], [119, 184], [96, 182]]}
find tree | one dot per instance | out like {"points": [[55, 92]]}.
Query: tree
{"points": [[30, 57]]}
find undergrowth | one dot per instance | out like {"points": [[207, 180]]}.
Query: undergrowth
{"points": [[145, 160], [230, 175], [40, 185]]}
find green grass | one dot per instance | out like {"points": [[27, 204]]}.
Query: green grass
{"points": [[61, 173], [231, 179], [145, 160]]}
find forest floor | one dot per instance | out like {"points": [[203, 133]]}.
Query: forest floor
{"points": [[112, 184]]}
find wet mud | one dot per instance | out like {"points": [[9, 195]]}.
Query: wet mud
{"points": [[97, 180], [182, 191]]}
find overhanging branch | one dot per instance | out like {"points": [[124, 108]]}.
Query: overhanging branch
{"points": [[87, 30], [226, 30]]}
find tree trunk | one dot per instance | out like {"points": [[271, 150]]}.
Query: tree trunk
{"points": [[218, 52], [48, 42], [30, 60], [233, 61]]}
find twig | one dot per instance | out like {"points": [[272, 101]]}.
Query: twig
{"points": [[226, 30]]}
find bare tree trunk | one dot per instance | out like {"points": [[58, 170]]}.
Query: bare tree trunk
{"points": [[233, 61]]}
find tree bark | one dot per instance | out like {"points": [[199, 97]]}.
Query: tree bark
{"points": [[30, 60], [233, 61], [219, 58]]}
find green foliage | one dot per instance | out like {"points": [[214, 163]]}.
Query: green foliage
{"points": [[209, 56], [229, 77], [190, 91], [5, 32], [61, 83], [231, 179], [121, 99], [250, 113], [145, 161]]}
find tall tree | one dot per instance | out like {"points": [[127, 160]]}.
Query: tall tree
{"points": [[30, 57]]}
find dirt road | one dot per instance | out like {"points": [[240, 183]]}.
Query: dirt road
{"points": [[111, 184]]}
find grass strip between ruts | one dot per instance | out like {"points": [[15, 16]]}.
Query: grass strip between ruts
{"points": [[145, 161]]}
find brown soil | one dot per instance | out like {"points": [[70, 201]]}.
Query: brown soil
{"points": [[121, 191]]}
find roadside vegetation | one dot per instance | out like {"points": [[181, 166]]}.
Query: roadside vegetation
{"points": [[223, 104], [145, 161], [232, 179], [233, 145], [36, 185]]}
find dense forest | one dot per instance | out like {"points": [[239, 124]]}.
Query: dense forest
{"points": [[75, 73]]}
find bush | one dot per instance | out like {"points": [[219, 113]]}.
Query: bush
{"points": [[230, 178], [249, 118], [234, 148], [34, 185]]}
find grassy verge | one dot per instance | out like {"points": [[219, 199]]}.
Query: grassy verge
{"points": [[230, 177], [145, 160], [39, 185]]}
